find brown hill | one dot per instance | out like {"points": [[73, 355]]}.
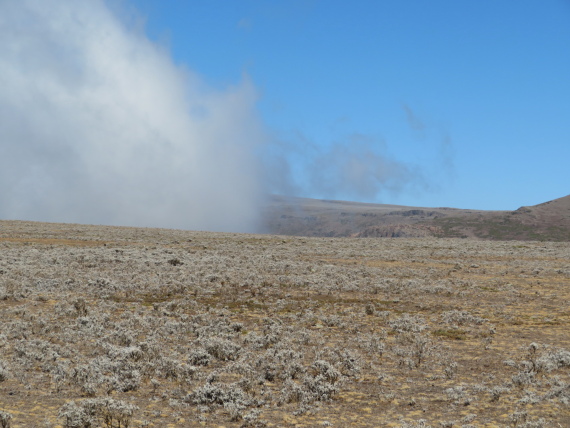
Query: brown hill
{"points": [[311, 217], [549, 221]]}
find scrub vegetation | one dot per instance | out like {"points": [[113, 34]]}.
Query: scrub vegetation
{"points": [[128, 327]]}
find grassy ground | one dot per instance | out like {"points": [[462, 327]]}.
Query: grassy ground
{"points": [[162, 328]]}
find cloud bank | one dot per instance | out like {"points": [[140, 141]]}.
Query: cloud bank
{"points": [[97, 125]]}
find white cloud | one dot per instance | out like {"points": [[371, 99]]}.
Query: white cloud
{"points": [[97, 125]]}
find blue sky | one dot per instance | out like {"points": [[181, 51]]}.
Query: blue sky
{"points": [[471, 99]]}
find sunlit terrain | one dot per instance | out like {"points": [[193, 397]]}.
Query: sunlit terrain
{"points": [[108, 326]]}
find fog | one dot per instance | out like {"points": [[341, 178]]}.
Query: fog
{"points": [[98, 125]]}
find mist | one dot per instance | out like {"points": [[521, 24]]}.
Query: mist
{"points": [[97, 125], [354, 167]]}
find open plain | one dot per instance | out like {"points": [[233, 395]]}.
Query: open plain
{"points": [[127, 327]]}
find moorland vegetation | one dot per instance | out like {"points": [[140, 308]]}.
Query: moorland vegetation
{"points": [[126, 327]]}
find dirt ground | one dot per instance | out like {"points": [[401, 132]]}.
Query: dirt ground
{"points": [[108, 326]]}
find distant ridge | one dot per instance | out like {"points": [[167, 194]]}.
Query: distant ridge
{"points": [[284, 215]]}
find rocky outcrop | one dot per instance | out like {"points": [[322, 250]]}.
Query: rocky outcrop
{"points": [[399, 231]]}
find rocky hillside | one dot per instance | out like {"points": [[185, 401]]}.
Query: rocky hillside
{"points": [[310, 217]]}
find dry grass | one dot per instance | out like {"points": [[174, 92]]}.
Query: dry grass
{"points": [[210, 329]]}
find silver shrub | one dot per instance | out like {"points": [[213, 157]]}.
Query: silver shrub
{"points": [[199, 357], [326, 370], [231, 397], [277, 363], [457, 318], [415, 349], [292, 392], [520, 419], [553, 360], [408, 323], [88, 378], [5, 419], [320, 388], [4, 372], [561, 391], [422, 423], [497, 391], [348, 362], [222, 349], [95, 412], [450, 369], [251, 419], [77, 416]]}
